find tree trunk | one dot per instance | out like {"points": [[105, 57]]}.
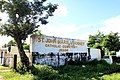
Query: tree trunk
{"points": [[23, 56]]}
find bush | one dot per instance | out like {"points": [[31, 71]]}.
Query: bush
{"points": [[66, 72], [71, 62], [21, 68], [113, 53], [102, 61], [116, 59], [77, 62], [95, 62], [44, 72]]}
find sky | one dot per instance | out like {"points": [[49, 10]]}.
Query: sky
{"points": [[78, 19]]}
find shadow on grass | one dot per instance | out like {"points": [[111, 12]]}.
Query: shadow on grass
{"points": [[44, 72], [88, 72], [73, 72]]}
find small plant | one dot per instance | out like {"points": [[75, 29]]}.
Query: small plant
{"points": [[21, 68], [93, 62], [113, 53], [67, 72]]}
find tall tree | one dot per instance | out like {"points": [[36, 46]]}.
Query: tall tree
{"points": [[26, 46], [13, 43], [95, 41], [24, 18], [111, 42]]}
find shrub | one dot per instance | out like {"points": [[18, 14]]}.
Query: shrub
{"points": [[116, 59], [102, 61], [113, 53], [76, 62], [21, 69], [93, 62], [71, 62]]}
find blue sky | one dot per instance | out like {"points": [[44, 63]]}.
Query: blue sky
{"points": [[80, 18], [89, 11]]}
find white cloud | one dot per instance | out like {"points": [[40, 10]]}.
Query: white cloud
{"points": [[112, 24], [82, 31], [61, 10], [4, 40], [72, 30], [4, 17], [66, 30], [58, 30]]}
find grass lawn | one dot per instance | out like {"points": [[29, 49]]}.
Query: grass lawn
{"points": [[4, 68], [91, 71], [16, 76], [113, 76]]}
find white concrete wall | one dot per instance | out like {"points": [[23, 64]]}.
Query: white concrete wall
{"points": [[95, 53], [47, 44]]}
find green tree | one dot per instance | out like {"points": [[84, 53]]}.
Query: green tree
{"points": [[24, 17], [13, 43], [38, 32], [111, 42], [9, 44], [95, 41], [26, 46]]}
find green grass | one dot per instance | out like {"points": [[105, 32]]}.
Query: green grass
{"points": [[12, 75], [92, 71], [113, 76], [4, 68], [16, 76]]}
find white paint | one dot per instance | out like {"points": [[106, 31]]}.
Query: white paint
{"points": [[118, 53], [95, 53], [40, 47], [109, 60]]}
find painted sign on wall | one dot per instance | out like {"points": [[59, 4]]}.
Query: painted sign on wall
{"points": [[46, 44]]}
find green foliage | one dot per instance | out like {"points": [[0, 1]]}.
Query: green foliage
{"points": [[95, 62], [44, 72], [95, 40], [4, 68], [111, 42], [21, 68], [16, 76], [98, 71], [108, 42], [11, 43], [26, 46], [97, 45], [37, 32], [23, 19], [113, 53], [24, 16], [114, 76], [76, 62]]}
